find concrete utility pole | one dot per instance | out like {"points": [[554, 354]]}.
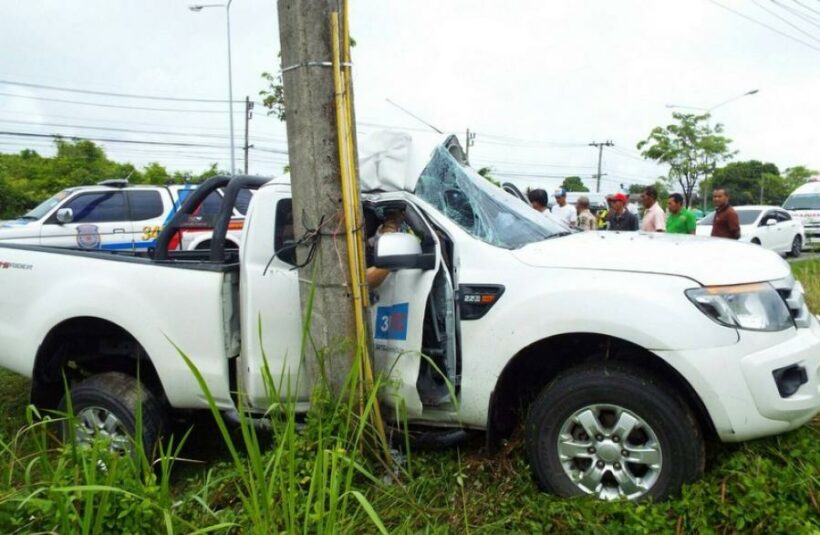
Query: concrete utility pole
{"points": [[304, 34], [600, 146], [248, 117], [469, 141]]}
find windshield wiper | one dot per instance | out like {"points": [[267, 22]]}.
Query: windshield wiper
{"points": [[559, 235]]}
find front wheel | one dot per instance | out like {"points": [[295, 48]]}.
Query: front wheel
{"points": [[614, 432], [797, 246]]}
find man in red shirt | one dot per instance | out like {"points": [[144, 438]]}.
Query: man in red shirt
{"points": [[725, 224]]}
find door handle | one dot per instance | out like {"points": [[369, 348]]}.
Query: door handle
{"points": [[119, 231]]}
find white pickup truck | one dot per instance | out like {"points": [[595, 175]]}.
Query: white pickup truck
{"points": [[621, 354]]}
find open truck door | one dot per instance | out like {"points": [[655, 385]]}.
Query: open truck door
{"points": [[412, 313]]}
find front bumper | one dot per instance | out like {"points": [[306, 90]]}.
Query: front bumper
{"points": [[738, 388], [812, 237]]}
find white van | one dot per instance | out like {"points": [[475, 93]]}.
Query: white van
{"points": [[112, 215], [804, 206]]}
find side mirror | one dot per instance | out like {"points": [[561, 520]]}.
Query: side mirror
{"points": [[398, 250], [771, 221], [65, 215]]}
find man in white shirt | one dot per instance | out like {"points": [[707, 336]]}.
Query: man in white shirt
{"points": [[563, 211], [654, 220]]}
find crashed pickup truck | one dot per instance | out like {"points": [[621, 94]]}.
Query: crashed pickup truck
{"points": [[620, 354]]}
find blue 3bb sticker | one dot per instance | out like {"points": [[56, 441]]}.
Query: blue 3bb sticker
{"points": [[391, 322]]}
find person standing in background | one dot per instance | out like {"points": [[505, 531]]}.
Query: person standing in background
{"points": [[586, 220], [563, 211], [654, 220], [726, 223], [619, 217], [680, 220], [538, 199]]}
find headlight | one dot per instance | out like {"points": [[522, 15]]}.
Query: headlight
{"points": [[756, 307]]}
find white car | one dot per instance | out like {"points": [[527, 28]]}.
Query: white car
{"points": [[768, 226]]}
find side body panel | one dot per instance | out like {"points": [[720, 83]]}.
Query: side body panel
{"points": [[161, 306]]}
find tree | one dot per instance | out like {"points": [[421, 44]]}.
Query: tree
{"points": [[691, 148], [797, 176], [747, 180], [26, 178], [574, 183], [487, 173], [273, 97]]}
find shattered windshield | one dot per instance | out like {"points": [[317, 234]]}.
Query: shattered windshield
{"points": [[480, 208]]}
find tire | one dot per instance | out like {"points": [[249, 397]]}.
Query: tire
{"points": [[106, 405], [755, 241], [797, 246], [665, 435]]}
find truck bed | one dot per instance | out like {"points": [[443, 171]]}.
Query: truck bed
{"points": [[185, 301]]}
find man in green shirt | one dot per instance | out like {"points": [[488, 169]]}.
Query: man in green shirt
{"points": [[680, 220]]}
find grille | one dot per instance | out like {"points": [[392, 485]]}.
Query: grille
{"points": [[792, 293]]}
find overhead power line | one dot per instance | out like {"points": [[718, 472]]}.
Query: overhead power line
{"points": [[784, 34], [117, 106], [127, 141], [805, 17], [787, 21], [136, 130], [801, 4], [113, 94]]}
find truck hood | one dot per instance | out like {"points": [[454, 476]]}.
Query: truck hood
{"points": [[709, 261]]}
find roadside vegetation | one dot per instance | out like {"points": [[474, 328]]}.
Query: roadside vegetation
{"points": [[318, 476]]}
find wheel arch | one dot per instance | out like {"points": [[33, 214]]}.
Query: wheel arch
{"points": [[536, 365], [86, 345]]}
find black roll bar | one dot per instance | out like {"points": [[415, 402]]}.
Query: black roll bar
{"points": [[232, 185]]}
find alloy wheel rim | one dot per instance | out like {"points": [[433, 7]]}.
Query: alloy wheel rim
{"points": [[92, 423], [609, 451]]}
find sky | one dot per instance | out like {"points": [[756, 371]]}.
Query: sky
{"points": [[537, 81]]}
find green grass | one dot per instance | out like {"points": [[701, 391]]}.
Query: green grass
{"points": [[319, 480]]}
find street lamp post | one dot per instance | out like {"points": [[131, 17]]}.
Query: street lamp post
{"points": [[709, 110], [718, 105], [196, 8]]}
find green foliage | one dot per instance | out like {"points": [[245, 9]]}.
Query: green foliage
{"points": [[273, 96], [26, 178], [691, 148], [574, 183], [487, 173], [745, 179]]}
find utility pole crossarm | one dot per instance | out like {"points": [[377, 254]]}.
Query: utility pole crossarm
{"points": [[607, 143]]}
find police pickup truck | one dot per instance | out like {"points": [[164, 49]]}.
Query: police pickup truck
{"points": [[699, 338]]}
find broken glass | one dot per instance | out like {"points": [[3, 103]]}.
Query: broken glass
{"points": [[480, 208]]}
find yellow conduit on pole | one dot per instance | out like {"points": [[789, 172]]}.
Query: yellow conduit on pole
{"points": [[352, 220]]}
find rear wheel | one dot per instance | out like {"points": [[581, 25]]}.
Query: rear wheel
{"points": [[755, 241], [614, 432], [105, 406], [797, 246]]}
